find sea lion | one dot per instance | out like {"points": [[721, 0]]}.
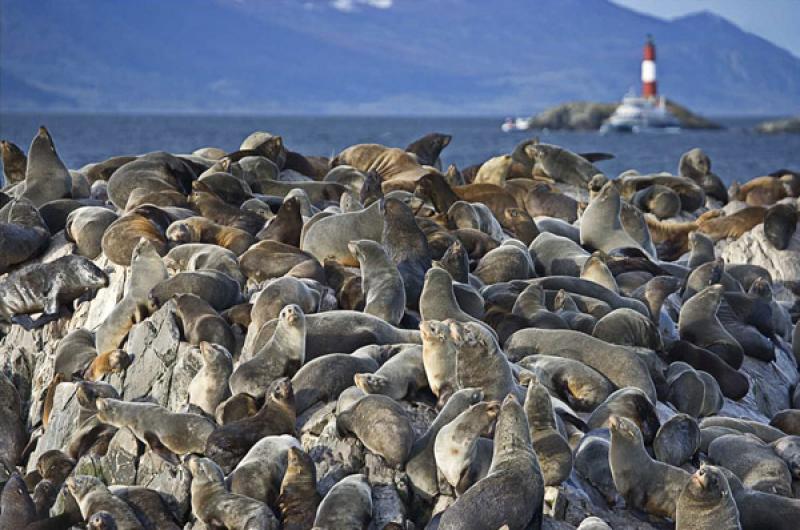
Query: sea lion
{"points": [[111, 361], [494, 171], [702, 250], [438, 358], [281, 356], [594, 269], [201, 323], [759, 510], [214, 505], [209, 387], [659, 200], [429, 147], [348, 505], [228, 443], [408, 247], [101, 520], [270, 259], [229, 188], [93, 496], [46, 176], [734, 225], [74, 353], [691, 194], [17, 509], [601, 227], [788, 449], [560, 164], [780, 223], [627, 327], [329, 237], [546, 200], [286, 226], [691, 392], [278, 293], [324, 378], [646, 484], [587, 288], [15, 163], [632, 404], [147, 270], [23, 234], [512, 493], [558, 255], [381, 425], [212, 207], [509, 261], [753, 461], [582, 387], [732, 383], [480, 363], [438, 300], [123, 234], [85, 226], [157, 171], [552, 450], [677, 440], [236, 408], [263, 144], [401, 376], [457, 449], [787, 420], [258, 475], [46, 288], [707, 502], [763, 191], [299, 499], [381, 281], [592, 464], [216, 288], [202, 230], [390, 163], [421, 466], [698, 324]]}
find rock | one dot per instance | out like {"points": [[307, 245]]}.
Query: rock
{"points": [[786, 125], [754, 249], [121, 459], [334, 457], [63, 422], [770, 388], [173, 481], [189, 361]]}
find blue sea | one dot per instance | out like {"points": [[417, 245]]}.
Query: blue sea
{"points": [[737, 153]]}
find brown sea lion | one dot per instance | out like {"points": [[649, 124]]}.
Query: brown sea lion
{"points": [[14, 162]]}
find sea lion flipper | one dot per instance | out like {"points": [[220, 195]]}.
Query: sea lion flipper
{"points": [[596, 157], [159, 449], [25, 321]]}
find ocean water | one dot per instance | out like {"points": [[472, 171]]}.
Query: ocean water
{"points": [[737, 153]]}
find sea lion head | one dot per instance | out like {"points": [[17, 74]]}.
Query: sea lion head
{"points": [[91, 276], [372, 383], [597, 183], [119, 360], [281, 391], [434, 331], [204, 470], [625, 428], [81, 485], [180, 232], [292, 315], [464, 335], [762, 288], [708, 484], [15, 492], [54, 465], [101, 520], [211, 352]]}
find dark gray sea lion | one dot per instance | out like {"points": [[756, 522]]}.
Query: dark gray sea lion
{"points": [[591, 289], [259, 473], [655, 292], [381, 425], [407, 246], [707, 502], [213, 504], [512, 493], [732, 383], [213, 207], [456, 262], [507, 262], [544, 199], [552, 450], [381, 282], [348, 505], [46, 287], [559, 164], [438, 300], [632, 404], [216, 288], [200, 322], [14, 163], [659, 200], [530, 305], [480, 363], [698, 324], [677, 440], [286, 225], [46, 176], [558, 255], [753, 461], [324, 378], [93, 496], [646, 484], [299, 498], [702, 249], [429, 147], [17, 509], [86, 225], [329, 237], [693, 392], [23, 234], [787, 420], [759, 510], [780, 224], [402, 376], [582, 387], [627, 327], [227, 187], [601, 227]]}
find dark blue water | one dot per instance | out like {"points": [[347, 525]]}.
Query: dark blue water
{"points": [[736, 152]]}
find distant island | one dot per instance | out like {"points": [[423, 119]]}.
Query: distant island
{"points": [[785, 125], [589, 116]]}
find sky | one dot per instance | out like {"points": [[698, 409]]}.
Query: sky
{"points": [[775, 20]]}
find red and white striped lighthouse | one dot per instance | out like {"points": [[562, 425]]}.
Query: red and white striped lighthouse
{"points": [[649, 69]]}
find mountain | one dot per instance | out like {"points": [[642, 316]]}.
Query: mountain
{"points": [[409, 57]]}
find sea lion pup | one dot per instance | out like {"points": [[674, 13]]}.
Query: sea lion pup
{"points": [[552, 450], [677, 440], [601, 227], [324, 378], [401, 376], [348, 505], [18, 509], [595, 269], [85, 227], [701, 248], [122, 235], [236, 408], [734, 225], [512, 493], [212, 207], [646, 484], [480, 363], [780, 223], [217, 288], [101, 520], [460, 456], [202, 230], [329, 237], [707, 502], [147, 271], [494, 171], [281, 356], [164, 431], [380, 281], [258, 475], [286, 225], [299, 499], [46, 176], [627, 327], [620, 365], [390, 163], [23, 234], [560, 164], [47, 288], [659, 200], [381, 425], [698, 324], [209, 387], [544, 199], [428, 148], [438, 358], [438, 300], [632, 404], [421, 466], [582, 387], [93, 496], [200, 322], [14, 163], [753, 461], [228, 443], [763, 191], [269, 302], [408, 247], [215, 506]]}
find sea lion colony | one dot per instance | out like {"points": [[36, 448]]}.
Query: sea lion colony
{"points": [[374, 342]]}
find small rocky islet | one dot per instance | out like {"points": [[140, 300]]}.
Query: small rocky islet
{"points": [[265, 339]]}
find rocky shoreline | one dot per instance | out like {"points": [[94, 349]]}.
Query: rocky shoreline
{"points": [[504, 232]]}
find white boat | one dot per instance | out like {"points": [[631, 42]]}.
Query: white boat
{"points": [[518, 124], [640, 114]]}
